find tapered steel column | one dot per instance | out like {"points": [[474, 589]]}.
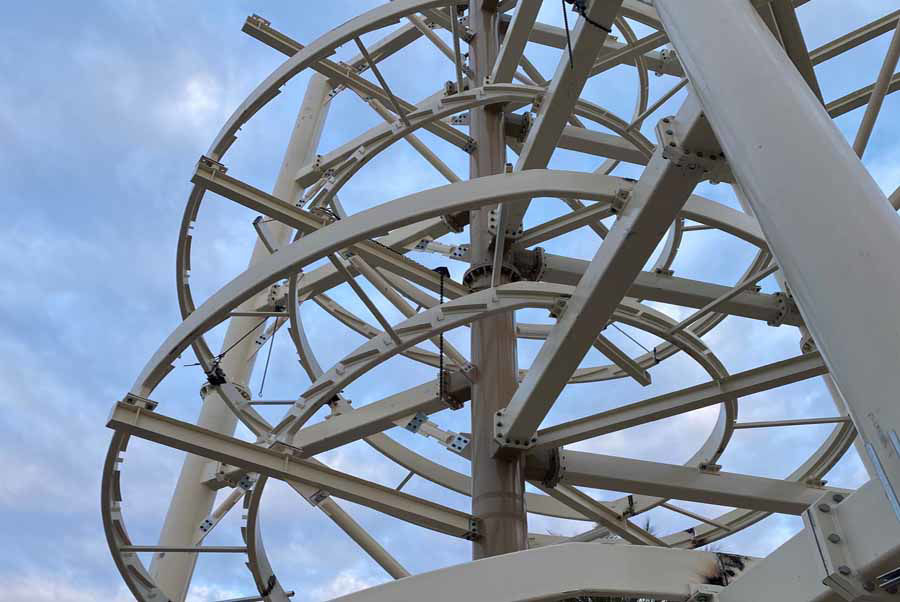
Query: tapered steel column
{"points": [[193, 501], [498, 486], [826, 220]]}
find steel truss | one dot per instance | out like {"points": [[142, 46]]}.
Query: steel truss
{"points": [[839, 289]]}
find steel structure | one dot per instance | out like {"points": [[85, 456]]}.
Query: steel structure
{"points": [[752, 112]]}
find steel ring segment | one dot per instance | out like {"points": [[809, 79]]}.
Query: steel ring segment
{"points": [[340, 165], [322, 47], [341, 234], [478, 306], [257, 559], [462, 311], [136, 576]]}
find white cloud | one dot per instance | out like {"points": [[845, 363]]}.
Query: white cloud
{"points": [[54, 588]]}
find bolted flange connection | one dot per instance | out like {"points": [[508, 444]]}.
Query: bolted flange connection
{"points": [[478, 277], [711, 162], [501, 427]]}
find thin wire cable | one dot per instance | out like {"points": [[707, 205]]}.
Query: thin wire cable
{"points": [[219, 357], [233, 345], [568, 37], [632, 339], [268, 358]]}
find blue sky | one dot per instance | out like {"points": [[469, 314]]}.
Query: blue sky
{"points": [[104, 110]]}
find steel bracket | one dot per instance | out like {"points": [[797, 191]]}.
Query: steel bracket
{"points": [[458, 443], [460, 252], [141, 402], [530, 263], [416, 422], [828, 537], [711, 162], [456, 222]]}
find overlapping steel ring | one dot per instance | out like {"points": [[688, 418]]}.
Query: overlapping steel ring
{"points": [[341, 165]]}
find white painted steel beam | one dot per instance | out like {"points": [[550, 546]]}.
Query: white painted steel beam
{"points": [[687, 483], [858, 98], [684, 292], [514, 40], [651, 208], [854, 328], [621, 359], [602, 515], [562, 94], [854, 38], [555, 573], [684, 400], [793, 42], [718, 301], [283, 465], [795, 570], [878, 93], [555, 37]]}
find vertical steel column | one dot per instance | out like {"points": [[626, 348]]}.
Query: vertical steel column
{"points": [[498, 486], [824, 216], [192, 501]]}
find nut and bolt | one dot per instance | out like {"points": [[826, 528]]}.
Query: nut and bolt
{"points": [[834, 538], [844, 570], [824, 508]]}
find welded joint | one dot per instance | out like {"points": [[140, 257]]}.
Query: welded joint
{"points": [[141, 402], [828, 537], [704, 593], [456, 222], [501, 434], [620, 201], [558, 308], [710, 162], [210, 167], [807, 344], [531, 263], [556, 467], [478, 277]]}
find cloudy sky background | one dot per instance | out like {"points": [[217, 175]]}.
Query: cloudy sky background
{"points": [[104, 110]]}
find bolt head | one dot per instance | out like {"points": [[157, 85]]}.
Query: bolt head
{"points": [[844, 570], [834, 538], [869, 586], [838, 498], [824, 508]]}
